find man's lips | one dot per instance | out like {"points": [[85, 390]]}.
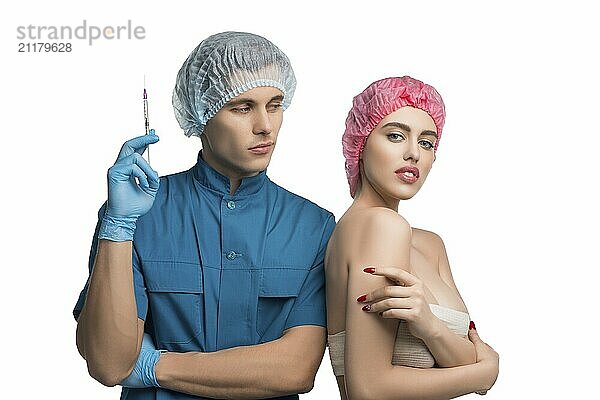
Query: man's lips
{"points": [[408, 174], [258, 146]]}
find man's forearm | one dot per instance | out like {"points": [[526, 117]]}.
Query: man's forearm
{"points": [[107, 328], [449, 349], [270, 369]]}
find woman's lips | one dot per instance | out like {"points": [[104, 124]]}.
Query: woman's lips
{"points": [[263, 148], [408, 174]]}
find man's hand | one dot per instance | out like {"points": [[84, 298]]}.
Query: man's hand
{"points": [[143, 374], [128, 199]]}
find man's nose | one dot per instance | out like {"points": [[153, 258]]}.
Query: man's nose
{"points": [[262, 123]]}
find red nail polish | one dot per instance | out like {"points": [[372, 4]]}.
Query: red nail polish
{"points": [[362, 298], [472, 325], [367, 308], [369, 270]]}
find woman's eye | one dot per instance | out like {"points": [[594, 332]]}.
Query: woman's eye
{"points": [[395, 137], [427, 144]]}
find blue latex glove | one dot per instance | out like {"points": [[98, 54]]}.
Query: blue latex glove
{"points": [[128, 200], [143, 375]]}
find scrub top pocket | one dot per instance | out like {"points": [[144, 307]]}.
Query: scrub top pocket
{"points": [[277, 292], [176, 301]]}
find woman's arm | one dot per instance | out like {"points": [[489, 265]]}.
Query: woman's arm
{"points": [[385, 241], [447, 348], [406, 300]]}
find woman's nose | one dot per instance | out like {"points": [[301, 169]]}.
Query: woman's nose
{"points": [[412, 150]]}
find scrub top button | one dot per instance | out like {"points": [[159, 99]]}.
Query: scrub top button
{"points": [[231, 204], [231, 255]]}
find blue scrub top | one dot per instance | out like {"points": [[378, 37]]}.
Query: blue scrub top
{"points": [[214, 271]]}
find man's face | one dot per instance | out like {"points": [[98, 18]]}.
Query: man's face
{"points": [[239, 140]]}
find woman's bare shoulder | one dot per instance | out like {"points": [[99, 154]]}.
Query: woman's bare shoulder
{"points": [[379, 221], [425, 239], [372, 235]]}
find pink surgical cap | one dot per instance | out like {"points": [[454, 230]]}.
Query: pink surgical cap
{"points": [[378, 100]]}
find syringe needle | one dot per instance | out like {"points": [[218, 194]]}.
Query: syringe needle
{"points": [[146, 119]]}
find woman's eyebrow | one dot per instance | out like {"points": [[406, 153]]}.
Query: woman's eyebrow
{"points": [[431, 133], [407, 128], [398, 125]]}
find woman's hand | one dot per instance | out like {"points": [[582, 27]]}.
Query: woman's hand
{"points": [[486, 357], [404, 300]]}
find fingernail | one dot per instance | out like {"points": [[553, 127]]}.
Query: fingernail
{"points": [[472, 325], [369, 270], [362, 298], [367, 308]]}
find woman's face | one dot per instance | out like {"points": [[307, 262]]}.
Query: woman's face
{"points": [[399, 153]]}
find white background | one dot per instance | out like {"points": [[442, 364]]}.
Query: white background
{"points": [[512, 192]]}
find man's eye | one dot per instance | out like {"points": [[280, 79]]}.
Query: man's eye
{"points": [[242, 110], [275, 107], [427, 144]]}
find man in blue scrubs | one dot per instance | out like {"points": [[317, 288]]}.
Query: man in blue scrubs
{"points": [[218, 266]]}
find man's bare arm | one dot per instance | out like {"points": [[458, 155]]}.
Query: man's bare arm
{"points": [[281, 367], [109, 333]]}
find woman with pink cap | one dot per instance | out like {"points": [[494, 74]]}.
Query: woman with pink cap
{"points": [[385, 338]]}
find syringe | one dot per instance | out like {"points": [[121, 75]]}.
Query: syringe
{"points": [[146, 119]]}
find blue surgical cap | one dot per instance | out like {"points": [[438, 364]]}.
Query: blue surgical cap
{"points": [[222, 67]]}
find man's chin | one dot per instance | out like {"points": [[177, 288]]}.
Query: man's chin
{"points": [[260, 163], [254, 167]]}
